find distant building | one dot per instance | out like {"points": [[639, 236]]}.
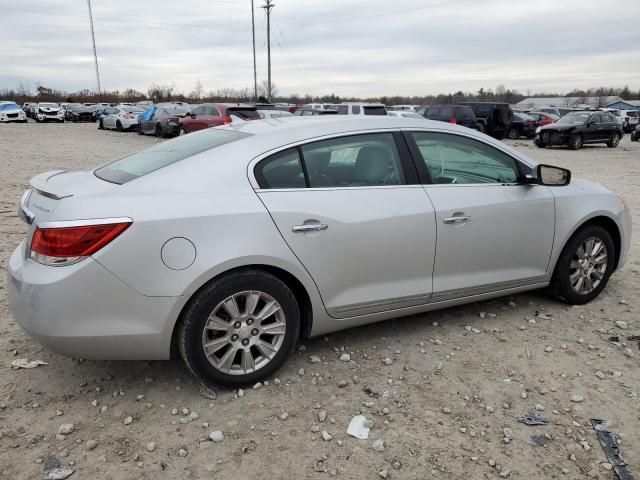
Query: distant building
{"points": [[625, 105], [534, 102]]}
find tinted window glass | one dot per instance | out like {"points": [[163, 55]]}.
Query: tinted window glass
{"points": [[342, 109], [166, 153], [353, 161], [632, 114], [464, 113], [244, 113], [375, 111], [453, 159], [282, 170], [356, 110]]}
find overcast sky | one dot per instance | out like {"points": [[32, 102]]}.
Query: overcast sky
{"points": [[347, 47]]}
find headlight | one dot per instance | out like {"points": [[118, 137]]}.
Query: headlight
{"points": [[538, 130]]}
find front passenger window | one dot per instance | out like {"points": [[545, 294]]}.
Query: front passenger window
{"points": [[454, 159]]}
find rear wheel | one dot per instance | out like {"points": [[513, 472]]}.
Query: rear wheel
{"points": [[239, 329], [614, 140], [513, 133], [119, 126], [575, 142], [482, 128], [101, 125], [140, 132], [585, 265]]}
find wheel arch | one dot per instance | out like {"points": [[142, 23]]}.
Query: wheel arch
{"points": [[297, 287]]}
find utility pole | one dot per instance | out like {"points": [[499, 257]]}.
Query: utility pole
{"points": [[255, 75], [267, 7], [93, 40]]}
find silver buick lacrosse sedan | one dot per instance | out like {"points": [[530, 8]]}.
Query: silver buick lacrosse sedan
{"points": [[227, 245]]}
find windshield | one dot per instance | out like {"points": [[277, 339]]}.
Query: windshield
{"points": [[163, 154], [48, 105], [175, 109], [574, 119], [8, 106]]}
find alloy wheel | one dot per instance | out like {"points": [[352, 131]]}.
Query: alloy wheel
{"points": [[588, 265], [244, 332]]}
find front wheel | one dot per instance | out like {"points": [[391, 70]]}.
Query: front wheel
{"points": [[585, 265], [159, 133], [614, 140], [575, 142], [239, 329], [513, 133], [182, 131]]}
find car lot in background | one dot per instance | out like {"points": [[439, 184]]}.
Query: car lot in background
{"points": [[80, 113], [576, 129], [48, 112], [359, 108], [309, 111], [456, 114], [404, 114], [543, 118], [162, 120], [522, 125], [557, 111], [216, 114], [630, 119], [11, 112], [492, 118], [121, 118]]}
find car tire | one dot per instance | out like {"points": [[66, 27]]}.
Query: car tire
{"points": [[195, 330], [140, 132], [119, 126], [614, 140], [481, 127], [575, 142], [159, 132], [540, 144], [101, 125], [74, 119], [182, 132], [569, 266], [513, 133]]}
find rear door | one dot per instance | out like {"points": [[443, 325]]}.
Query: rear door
{"points": [[493, 233], [351, 210]]}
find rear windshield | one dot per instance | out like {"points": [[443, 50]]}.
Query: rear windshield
{"points": [[375, 110], [439, 113], [244, 113], [163, 154], [465, 113]]}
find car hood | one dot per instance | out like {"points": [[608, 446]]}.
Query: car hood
{"points": [[558, 127], [49, 109]]}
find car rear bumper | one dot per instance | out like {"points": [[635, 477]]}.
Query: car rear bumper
{"points": [[84, 311]]}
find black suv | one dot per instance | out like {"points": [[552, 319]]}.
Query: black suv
{"points": [[449, 113], [492, 118], [578, 128]]}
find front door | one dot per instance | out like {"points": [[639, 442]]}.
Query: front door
{"points": [[493, 233], [346, 210]]}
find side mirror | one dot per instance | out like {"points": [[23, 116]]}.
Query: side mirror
{"points": [[553, 176]]}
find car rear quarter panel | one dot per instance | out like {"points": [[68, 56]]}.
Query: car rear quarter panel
{"points": [[581, 201]]}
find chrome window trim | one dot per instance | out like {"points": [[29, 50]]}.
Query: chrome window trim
{"points": [[84, 223]]}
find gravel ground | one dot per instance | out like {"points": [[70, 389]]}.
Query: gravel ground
{"points": [[446, 405]]}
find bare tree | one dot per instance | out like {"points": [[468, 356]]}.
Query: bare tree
{"points": [[160, 92], [196, 93]]}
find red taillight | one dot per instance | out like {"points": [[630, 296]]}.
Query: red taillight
{"points": [[126, 115], [66, 244], [226, 120], [453, 120]]}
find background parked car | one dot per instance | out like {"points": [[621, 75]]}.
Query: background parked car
{"points": [[360, 109], [215, 114], [11, 112], [308, 111], [557, 111], [543, 118], [49, 112], [410, 108], [26, 107], [579, 128], [404, 114], [492, 118], [630, 119], [522, 125], [80, 113], [122, 117], [268, 114], [162, 120], [457, 114], [635, 135]]}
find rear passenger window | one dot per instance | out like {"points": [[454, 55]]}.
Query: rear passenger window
{"points": [[356, 109], [353, 161], [375, 111], [282, 170]]}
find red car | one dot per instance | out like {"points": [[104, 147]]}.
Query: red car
{"points": [[543, 118], [215, 114]]}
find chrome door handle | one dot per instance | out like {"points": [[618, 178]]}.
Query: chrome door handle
{"points": [[310, 227], [454, 220]]}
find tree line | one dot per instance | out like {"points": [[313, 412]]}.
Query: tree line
{"points": [[166, 93]]}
